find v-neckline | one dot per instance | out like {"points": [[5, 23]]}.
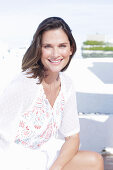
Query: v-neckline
{"points": [[52, 107]]}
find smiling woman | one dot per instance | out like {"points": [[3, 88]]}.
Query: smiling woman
{"points": [[56, 50], [39, 107], [51, 37]]}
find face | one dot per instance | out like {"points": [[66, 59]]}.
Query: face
{"points": [[56, 50]]}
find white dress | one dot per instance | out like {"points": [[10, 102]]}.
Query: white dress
{"points": [[31, 131]]}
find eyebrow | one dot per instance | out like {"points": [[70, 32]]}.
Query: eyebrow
{"points": [[51, 44]]}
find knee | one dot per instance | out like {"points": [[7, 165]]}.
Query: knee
{"points": [[97, 160]]}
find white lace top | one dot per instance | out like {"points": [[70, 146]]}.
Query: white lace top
{"points": [[27, 118]]}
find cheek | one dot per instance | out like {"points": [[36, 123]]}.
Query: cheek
{"points": [[45, 53], [66, 53]]}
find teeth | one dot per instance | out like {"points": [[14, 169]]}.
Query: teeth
{"points": [[55, 61]]}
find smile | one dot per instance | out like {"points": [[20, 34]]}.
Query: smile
{"points": [[55, 61]]}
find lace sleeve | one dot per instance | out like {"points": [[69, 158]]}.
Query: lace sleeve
{"points": [[70, 121], [10, 106]]}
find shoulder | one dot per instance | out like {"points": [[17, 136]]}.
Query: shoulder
{"points": [[67, 82], [24, 79], [21, 83], [68, 87]]}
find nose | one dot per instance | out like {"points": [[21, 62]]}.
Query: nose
{"points": [[55, 52]]}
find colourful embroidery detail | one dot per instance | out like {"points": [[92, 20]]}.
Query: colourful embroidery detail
{"points": [[40, 123]]}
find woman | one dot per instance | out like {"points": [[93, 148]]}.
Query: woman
{"points": [[39, 107]]}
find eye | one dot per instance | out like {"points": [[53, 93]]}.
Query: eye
{"points": [[62, 46], [47, 46]]}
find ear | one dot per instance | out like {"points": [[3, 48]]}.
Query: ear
{"points": [[71, 50]]}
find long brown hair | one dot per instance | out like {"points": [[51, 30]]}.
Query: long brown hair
{"points": [[32, 59]]}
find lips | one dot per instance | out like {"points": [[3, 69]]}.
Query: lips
{"points": [[55, 61]]}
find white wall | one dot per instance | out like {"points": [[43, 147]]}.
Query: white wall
{"points": [[96, 135], [93, 79]]}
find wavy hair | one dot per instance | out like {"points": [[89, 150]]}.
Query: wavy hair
{"points": [[31, 61]]}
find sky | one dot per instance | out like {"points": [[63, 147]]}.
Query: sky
{"points": [[20, 19]]}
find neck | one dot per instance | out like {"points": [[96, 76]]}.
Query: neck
{"points": [[51, 78], [51, 86]]}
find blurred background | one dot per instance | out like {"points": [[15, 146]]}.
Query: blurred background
{"points": [[20, 18]]}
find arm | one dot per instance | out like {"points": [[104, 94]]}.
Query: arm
{"points": [[67, 152], [10, 107]]}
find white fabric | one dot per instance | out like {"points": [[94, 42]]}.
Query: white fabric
{"points": [[18, 98], [41, 121], [21, 158]]}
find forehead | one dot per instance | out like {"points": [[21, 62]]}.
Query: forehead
{"points": [[54, 35]]}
